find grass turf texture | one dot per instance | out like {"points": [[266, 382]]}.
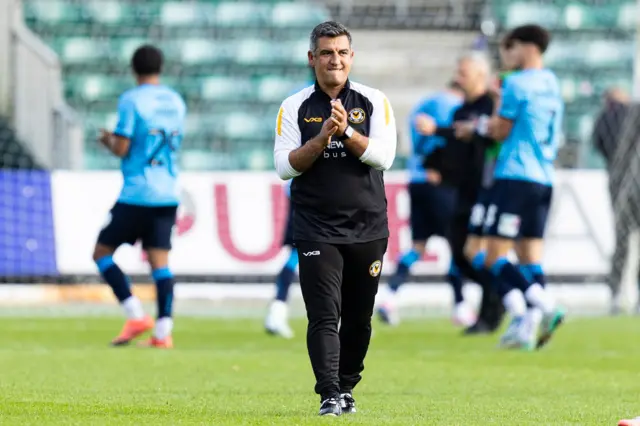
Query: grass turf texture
{"points": [[61, 371]]}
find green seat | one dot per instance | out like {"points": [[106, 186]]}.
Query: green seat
{"points": [[219, 88], [276, 89], [240, 14], [239, 125], [52, 11], [200, 51], [628, 16], [525, 13], [81, 50], [185, 14], [605, 53], [303, 15], [111, 12], [255, 51], [89, 88], [123, 48]]}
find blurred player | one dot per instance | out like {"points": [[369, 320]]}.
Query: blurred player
{"points": [[277, 321], [147, 138], [428, 217], [529, 122], [475, 246]]}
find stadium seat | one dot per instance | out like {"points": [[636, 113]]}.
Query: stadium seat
{"points": [[200, 51], [240, 14], [304, 15], [274, 88], [184, 14], [52, 11], [82, 50], [521, 13], [239, 125], [110, 12], [220, 88]]}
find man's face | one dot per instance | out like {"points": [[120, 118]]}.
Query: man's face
{"points": [[332, 60], [517, 54], [469, 75], [507, 58]]}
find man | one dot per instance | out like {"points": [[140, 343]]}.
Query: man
{"points": [[334, 139], [147, 137], [491, 309], [458, 164], [277, 322], [529, 122], [428, 217], [607, 134]]}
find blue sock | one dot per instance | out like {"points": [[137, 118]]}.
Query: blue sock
{"points": [[285, 277], [478, 260], [455, 280], [164, 289], [524, 270], [537, 275], [509, 276], [114, 276], [402, 272]]}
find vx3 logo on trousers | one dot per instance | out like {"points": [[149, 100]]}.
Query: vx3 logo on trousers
{"points": [[312, 253]]}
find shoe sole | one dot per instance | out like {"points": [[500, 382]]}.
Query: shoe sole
{"points": [[546, 337]]}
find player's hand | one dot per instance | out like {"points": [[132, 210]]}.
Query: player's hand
{"points": [[329, 128], [434, 177], [426, 125], [339, 116], [106, 138], [464, 130]]}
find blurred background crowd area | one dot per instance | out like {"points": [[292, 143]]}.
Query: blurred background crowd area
{"points": [[235, 61]]}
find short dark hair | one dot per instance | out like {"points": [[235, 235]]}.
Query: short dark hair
{"points": [[533, 34], [327, 29], [147, 60]]}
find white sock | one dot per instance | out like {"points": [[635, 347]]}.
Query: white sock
{"points": [[133, 308], [540, 298], [514, 303], [163, 329], [531, 323]]}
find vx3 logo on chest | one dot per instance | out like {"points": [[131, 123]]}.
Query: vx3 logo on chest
{"points": [[313, 120]]}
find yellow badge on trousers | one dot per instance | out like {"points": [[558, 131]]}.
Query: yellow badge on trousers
{"points": [[375, 268]]}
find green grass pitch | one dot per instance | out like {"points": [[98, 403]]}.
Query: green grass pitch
{"points": [[61, 371]]}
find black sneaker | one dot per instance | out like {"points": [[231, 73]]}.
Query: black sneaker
{"points": [[347, 403], [330, 407]]}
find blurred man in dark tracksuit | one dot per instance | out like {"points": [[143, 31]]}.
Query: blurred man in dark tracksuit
{"points": [[608, 135]]}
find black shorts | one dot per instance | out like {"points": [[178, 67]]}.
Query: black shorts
{"points": [[432, 208], [129, 223], [478, 213], [518, 209]]}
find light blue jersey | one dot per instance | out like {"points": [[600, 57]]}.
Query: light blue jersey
{"points": [[532, 100], [441, 107], [152, 117], [287, 188]]}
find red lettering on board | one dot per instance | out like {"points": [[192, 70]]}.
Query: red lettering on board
{"points": [[223, 220]]}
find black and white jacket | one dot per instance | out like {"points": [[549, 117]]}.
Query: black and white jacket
{"points": [[340, 199]]}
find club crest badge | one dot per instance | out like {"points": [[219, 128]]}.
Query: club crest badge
{"points": [[356, 116]]}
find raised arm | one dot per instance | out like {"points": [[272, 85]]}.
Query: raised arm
{"points": [[290, 156], [379, 149]]}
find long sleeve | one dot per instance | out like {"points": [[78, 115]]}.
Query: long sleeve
{"points": [[383, 138], [287, 138]]}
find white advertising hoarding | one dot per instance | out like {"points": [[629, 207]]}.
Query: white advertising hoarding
{"points": [[232, 223]]}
